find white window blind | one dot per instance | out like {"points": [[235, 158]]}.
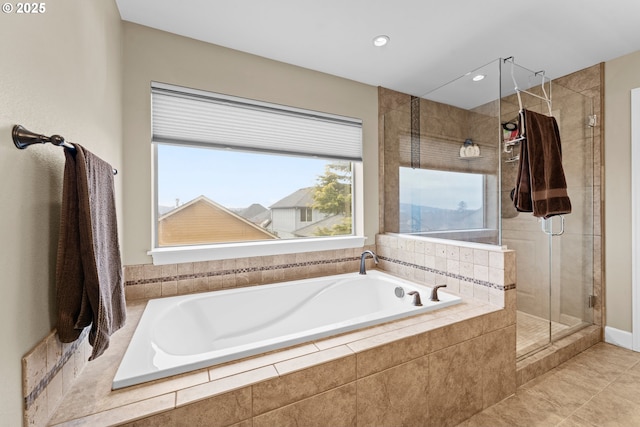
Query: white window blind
{"points": [[198, 118]]}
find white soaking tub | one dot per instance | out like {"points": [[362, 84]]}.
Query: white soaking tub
{"points": [[184, 333]]}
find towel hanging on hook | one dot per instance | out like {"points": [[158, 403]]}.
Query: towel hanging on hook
{"points": [[23, 138]]}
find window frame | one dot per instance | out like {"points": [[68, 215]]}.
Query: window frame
{"points": [[453, 230], [219, 251]]}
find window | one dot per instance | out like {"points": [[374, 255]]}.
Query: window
{"points": [[436, 200], [306, 214], [232, 170]]}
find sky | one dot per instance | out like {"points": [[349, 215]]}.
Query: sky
{"points": [[231, 178]]}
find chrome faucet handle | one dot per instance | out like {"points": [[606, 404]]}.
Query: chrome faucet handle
{"points": [[416, 298], [434, 292]]}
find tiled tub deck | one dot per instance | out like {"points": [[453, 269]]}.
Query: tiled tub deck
{"points": [[434, 369], [438, 368]]}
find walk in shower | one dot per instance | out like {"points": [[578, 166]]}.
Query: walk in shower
{"points": [[450, 163]]}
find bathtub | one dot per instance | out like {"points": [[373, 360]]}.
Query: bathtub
{"points": [[184, 333]]}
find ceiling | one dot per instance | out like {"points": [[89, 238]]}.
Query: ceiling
{"points": [[432, 41]]}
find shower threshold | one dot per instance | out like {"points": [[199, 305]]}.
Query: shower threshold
{"points": [[532, 333]]}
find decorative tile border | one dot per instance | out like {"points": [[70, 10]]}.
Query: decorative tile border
{"points": [[44, 382], [178, 277], [452, 275]]}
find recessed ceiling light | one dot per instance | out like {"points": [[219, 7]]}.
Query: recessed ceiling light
{"points": [[478, 77], [380, 41]]}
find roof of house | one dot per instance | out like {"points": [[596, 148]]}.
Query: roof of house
{"points": [[204, 199], [328, 222], [302, 198], [254, 210]]}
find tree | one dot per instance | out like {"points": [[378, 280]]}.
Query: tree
{"points": [[332, 196]]}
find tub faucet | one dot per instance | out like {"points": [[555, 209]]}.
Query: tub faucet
{"points": [[363, 269], [434, 292], [416, 298]]}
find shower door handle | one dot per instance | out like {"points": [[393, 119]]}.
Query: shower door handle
{"points": [[547, 226]]}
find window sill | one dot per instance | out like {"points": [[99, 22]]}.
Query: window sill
{"points": [[182, 254]]}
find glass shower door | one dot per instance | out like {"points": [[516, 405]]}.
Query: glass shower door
{"points": [[555, 256], [571, 239]]}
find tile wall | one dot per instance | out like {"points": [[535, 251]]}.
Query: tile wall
{"points": [[477, 271], [48, 373]]}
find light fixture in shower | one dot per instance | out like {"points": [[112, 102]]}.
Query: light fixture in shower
{"points": [[478, 77], [381, 40]]}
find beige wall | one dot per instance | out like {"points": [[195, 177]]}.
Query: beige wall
{"points": [[621, 75], [152, 55], [61, 73]]}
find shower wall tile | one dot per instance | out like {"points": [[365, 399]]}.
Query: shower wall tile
{"points": [[582, 80]]}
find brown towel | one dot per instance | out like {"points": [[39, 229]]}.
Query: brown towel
{"points": [[541, 187], [89, 270]]}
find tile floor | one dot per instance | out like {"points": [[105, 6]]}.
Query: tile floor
{"points": [[597, 388]]}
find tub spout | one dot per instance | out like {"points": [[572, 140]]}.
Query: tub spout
{"points": [[434, 292], [416, 298], [363, 257]]}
